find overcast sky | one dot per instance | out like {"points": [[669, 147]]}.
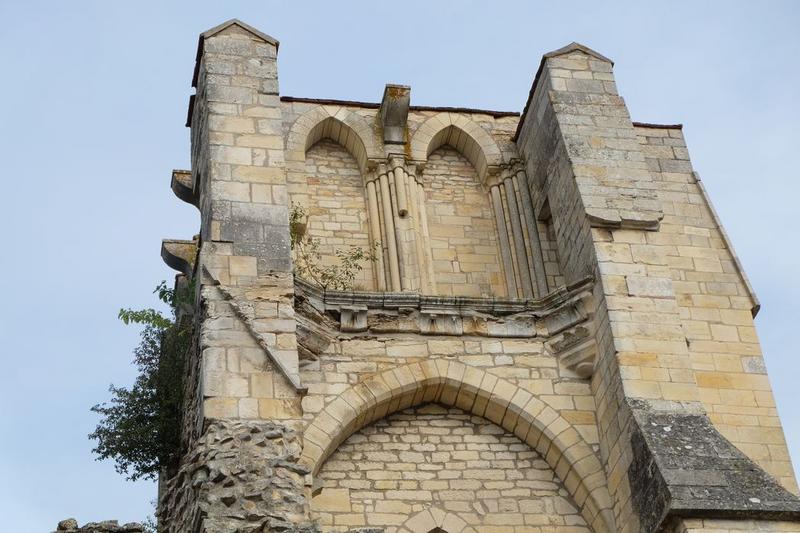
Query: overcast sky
{"points": [[94, 99]]}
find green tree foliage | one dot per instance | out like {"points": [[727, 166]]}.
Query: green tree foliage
{"points": [[308, 259], [140, 426]]}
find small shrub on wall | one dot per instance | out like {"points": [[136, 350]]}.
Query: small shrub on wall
{"points": [[308, 259]]}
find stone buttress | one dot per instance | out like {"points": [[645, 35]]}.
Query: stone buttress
{"points": [[241, 434], [663, 457]]}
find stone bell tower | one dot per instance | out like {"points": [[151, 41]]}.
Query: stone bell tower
{"points": [[555, 333]]}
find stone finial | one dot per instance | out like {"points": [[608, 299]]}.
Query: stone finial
{"points": [[234, 26], [576, 47], [239, 26], [564, 50]]}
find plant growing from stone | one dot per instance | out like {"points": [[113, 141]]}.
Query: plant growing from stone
{"points": [[308, 259], [140, 426]]}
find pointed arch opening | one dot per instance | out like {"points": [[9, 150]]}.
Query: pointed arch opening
{"points": [[340, 125], [473, 391], [464, 143], [327, 157], [461, 133], [337, 131], [438, 457], [458, 157]]}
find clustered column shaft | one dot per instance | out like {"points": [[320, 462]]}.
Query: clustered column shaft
{"points": [[396, 163], [406, 261], [521, 263], [397, 206], [518, 235], [386, 224], [375, 235], [425, 238], [531, 228], [505, 245]]}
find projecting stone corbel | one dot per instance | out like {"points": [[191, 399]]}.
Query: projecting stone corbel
{"points": [[577, 351], [616, 219], [394, 113], [573, 336], [353, 319], [440, 322], [179, 255], [181, 184]]}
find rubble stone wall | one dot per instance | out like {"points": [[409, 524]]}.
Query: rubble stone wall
{"points": [[70, 525], [240, 476]]}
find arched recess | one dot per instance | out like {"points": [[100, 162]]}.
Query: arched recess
{"points": [[462, 134], [338, 124], [474, 391], [354, 135], [459, 160], [435, 520]]}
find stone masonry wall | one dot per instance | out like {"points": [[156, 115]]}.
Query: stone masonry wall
{"points": [[445, 458], [235, 477], [239, 380], [466, 259], [550, 253], [645, 371], [244, 274], [716, 308], [692, 525], [455, 277], [587, 380], [524, 362], [543, 144], [332, 195]]}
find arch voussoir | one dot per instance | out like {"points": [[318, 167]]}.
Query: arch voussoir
{"points": [[515, 407], [470, 384]]}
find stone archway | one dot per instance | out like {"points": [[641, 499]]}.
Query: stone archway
{"points": [[328, 151], [338, 124], [463, 134], [474, 391], [435, 520]]}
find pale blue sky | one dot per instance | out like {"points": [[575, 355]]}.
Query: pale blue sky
{"points": [[94, 100]]}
